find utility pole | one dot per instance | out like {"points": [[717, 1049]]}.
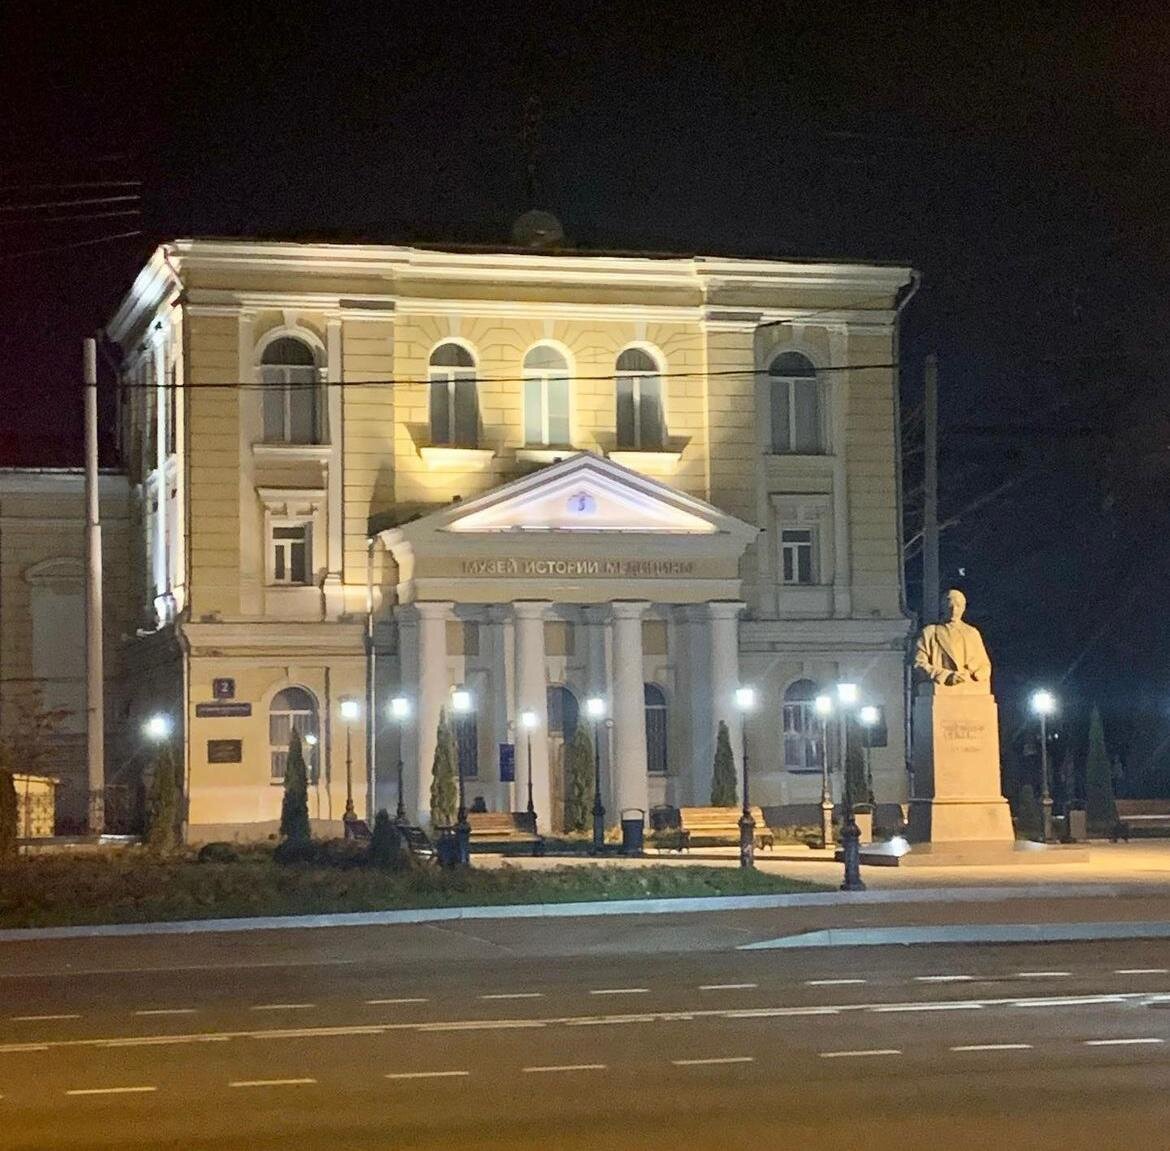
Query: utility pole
{"points": [[930, 576], [94, 677]]}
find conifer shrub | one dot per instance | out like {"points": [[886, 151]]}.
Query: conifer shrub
{"points": [[723, 790]]}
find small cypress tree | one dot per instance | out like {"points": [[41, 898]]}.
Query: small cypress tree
{"points": [[9, 819], [444, 792], [1100, 808], [162, 814], [579, 784], [1029, 817], [856, 784], [294, 804], [723, 790]]}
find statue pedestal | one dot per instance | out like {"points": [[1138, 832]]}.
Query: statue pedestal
{"points": [[956, 773]]}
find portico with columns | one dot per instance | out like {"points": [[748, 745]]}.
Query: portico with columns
{"points": [[583, 578]]}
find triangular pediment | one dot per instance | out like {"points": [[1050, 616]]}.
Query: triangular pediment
{"points": [[586, 494]]}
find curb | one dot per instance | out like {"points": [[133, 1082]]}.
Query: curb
{"points": [[963, 933], [714, 903]]}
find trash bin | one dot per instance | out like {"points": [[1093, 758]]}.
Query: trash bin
{"points": [[447, 848], [1077, 829], [633, 823]]}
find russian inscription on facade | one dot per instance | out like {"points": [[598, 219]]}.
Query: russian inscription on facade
{"points": [[644, 569]]}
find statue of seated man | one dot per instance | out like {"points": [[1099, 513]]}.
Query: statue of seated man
{"points": [[951, 654]]}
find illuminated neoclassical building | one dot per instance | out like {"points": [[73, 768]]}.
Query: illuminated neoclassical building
{"points": [[364, 472]]}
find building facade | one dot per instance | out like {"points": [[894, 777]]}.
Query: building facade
{"points": [[370, 472], [42, 630]]}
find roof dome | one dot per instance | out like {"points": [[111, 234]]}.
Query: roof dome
{"points": [[537, 229]]}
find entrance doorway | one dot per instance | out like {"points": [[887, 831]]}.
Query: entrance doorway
{"points": [[562, 727]]}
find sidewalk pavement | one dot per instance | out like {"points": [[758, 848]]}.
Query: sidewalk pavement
{"points": [[1143, 864]]}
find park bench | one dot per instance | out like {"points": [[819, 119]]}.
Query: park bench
{"points": [[1139, 814], [715, 825], [505, 828]]}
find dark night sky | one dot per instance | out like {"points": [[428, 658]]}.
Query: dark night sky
{"points": [[1018, 155]]}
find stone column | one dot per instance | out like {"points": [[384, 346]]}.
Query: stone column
{"points": [[629, 708], [723, 629], [423, 647], [531, 695]]}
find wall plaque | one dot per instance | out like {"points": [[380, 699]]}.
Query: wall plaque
{"points": [[225, 751], [223, 688], [222, 710]]}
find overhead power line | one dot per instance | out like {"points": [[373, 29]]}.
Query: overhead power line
{"points": [[69, 203], [55, 187], [67, 247], [410, 382], [69, 219]]}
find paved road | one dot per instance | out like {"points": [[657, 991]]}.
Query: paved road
{"points": [[488, 1035]]}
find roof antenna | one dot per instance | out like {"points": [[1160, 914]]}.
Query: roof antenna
{"points": [[536, 228]]}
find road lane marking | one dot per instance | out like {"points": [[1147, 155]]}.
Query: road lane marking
{"points": [[426, 1074], [393, 1002], [273, 1083], [514, 995], [607, 1020], [281, 1006], [483, 1025], [943, 978], [713, 1062], [728, 986], [993, 1047], [906, 1007], [41, 1018], [621, 991], [859, 1054], [564, 1067], [167, 1011], [696, 1015], [1120, 1042], [111, 1090], [1071, 1001], [832, 982], [1042, 974], [1142, 971]]}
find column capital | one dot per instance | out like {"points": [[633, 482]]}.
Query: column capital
{"points": [[530, 608], [628, 608], [723, 608], [426, 609]]}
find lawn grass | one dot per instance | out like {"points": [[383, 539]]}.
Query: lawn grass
{"points": [[132, 887]]}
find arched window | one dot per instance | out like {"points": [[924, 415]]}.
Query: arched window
{"points": [[562, 712], [795, 395], [640, 423], [292, 709], [803, 750], [655, 702], [294, 408], [454, 404], [546, 397]]}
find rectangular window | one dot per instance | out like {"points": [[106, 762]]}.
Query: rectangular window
{"points": [[291, 556], [639, 412], [462, 637], [546, 410], [796, 554], [558, 637], [654, 637]]}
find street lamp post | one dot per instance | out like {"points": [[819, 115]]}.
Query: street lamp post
{"points": [[349, 712], [869, 716], [461, 704], [823, 706], [1044, 704], [529, 721], [745, 700], [399, 713], [595, 709]]}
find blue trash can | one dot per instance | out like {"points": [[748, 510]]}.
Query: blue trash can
{"points": [[633, 824]]}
